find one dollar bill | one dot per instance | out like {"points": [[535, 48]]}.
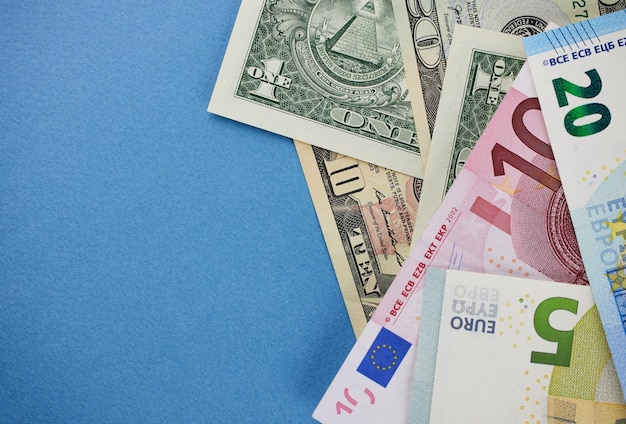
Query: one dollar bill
{"points": [[367, 214], [326, 72]]}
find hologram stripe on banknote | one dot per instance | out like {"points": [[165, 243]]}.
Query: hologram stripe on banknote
{"points": [[325, 72]]}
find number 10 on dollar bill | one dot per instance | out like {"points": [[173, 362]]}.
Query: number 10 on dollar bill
{"points": [[578, 73]]}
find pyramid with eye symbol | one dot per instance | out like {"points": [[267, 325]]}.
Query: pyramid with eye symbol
{"points": [[357, 38]]}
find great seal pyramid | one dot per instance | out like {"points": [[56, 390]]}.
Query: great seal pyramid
{"points": [[357, 38]]}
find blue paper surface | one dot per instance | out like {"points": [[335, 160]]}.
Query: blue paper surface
{"points": [[157, 263]]}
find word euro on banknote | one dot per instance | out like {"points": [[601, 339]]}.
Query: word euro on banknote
{"points": [[426, 29], [483, 65], [367, 214], [504, 214], [512, 350], [578, 72], [326, 72]]}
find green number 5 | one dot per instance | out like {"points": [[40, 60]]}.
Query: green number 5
{"points": [[564, 339]]}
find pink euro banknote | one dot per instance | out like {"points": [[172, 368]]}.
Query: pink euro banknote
{"points": [[504, 214]]}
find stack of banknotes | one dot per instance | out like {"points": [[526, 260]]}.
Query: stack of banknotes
{"points": [[467, 163]]}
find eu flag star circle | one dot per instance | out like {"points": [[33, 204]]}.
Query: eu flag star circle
{"points": [[384, 357]]}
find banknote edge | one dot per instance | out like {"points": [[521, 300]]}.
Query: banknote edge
{"points": [[413, 79], [323, 211]]}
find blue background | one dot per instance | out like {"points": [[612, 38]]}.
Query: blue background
{"points": [[158, 263]]}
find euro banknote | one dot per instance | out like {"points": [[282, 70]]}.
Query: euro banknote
{"points": [[483, 65], [326, 72], [502, 349], [504, 214], [578, 73], [426, 28], [366, 213]]}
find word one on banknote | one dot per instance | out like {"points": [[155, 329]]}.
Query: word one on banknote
{"points": [[329, 73], [346, 55]]}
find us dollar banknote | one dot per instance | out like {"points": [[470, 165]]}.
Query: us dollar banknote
{"points": [[366, 213], [327, 72], [426, 28], [483, 66]]}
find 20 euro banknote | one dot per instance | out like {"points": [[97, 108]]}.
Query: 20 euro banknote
{"points": [[578, 71]]}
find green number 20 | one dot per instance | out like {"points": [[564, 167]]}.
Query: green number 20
{"points": [[563, 86], [564, 339]]}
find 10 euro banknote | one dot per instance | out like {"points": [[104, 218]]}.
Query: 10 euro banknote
{"points": [[504, 214]]}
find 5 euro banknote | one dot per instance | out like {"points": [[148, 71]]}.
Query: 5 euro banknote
{"points": [[500, 349]]}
